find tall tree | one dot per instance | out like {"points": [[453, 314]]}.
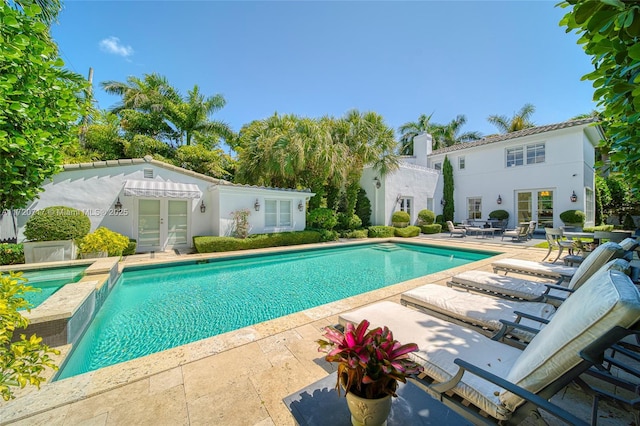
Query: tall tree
{"points": [[411, 129], [519, 121], [450, 133], [448, 210]]}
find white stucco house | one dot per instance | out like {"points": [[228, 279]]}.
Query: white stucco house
{"points": [[163, 206], [534, 174]]}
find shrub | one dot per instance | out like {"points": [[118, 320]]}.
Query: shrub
{"points": [[573, 216], [322, 218], [57, 223], [326, 235], [499, 215], [349, 222], [436, 228], [605, 228], [400, 217], [381, 231], [628, 222], [426, 217], [11, 254], [131, 248], [103, 239], [218, 244], [440, 219], [409, 231], [363, 207], [359, 233]]}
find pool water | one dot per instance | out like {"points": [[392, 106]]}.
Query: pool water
{"points": [[153, 309], [49, 281]]}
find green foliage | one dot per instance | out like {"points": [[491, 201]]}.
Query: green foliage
{"points": [[447, 191], [103, 138], [103, 239], [499, 215], [605, 228], [610, 33], [440, 219], [22, 360], [57, 223], [628, 223], [400, 217], [620, 196], [409, 231], [348, 222], [363, 208], [358, 233], [131, 248], [519, 121], [202, 160], [435, 228], [11, 254], [573, 216], [39, 101], [603, 197], [426, 217], [220, 244], [142, 145], [322, 218], [381, 231], [326, 235]]}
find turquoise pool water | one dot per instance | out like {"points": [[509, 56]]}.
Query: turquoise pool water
{"points": [[153, 309], [49, 281]]}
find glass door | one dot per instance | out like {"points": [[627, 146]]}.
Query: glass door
{"points": [[545, 209], [177, 223], [524, 207], [149, 225]]}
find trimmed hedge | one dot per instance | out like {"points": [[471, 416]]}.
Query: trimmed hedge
{"points": [[358, 233], [605, 228], [204, 244], [499, 215], [436, 228], [426, 217], [322, 218], [11, 254], [408, 232], [381, 231], [131, 248], [573, 216], [400, 216], [57, 223]]}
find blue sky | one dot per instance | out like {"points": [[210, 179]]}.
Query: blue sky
{"points": [[399, 59]]}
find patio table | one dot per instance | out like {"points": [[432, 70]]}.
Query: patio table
{"points": [[319, 404]]}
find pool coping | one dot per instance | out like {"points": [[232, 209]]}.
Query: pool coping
{"points": [[30, 402]]}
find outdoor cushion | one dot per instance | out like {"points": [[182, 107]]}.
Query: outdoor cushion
{"points": [[509, 286], [528, 267], [607, 299], [439, 343], [629, 244], [592, 263]]}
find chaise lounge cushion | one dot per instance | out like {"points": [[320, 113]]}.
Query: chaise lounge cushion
{"points": [[509, 286], [611, 299], [528, 267]]}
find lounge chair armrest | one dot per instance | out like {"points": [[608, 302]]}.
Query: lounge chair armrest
{"points": [[531, 317], [523, 393], [558, 287], [510, 325]]}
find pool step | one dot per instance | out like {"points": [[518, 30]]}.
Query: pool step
{"points": [[387, 247]]}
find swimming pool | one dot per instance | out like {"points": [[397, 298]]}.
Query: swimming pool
{"points": [[49, 281], [156, 308]]}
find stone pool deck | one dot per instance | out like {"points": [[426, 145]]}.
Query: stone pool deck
{"points": [[237, 378]]}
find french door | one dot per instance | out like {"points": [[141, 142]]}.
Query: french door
{"points": [[162, 224], [536, 206]]}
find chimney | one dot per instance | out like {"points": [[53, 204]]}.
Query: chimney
{"points": [[422, 147]]}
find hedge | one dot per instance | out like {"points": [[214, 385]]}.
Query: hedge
{"points": [[131, 248], [436, 228], [57, 223], [11, 254], [409, 231], [605, 228], [359, 233], [205, 244], [381, 231]]}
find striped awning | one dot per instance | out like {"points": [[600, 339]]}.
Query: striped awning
{"points": [[157, 189]]}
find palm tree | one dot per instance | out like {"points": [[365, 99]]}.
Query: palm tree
{"points": [[49, 8], [192, 115], [449, 134], [411, 129], [149, 94], [520, 120]]}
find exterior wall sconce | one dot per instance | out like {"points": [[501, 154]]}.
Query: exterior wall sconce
{"points": [[573, 197], [118, 205], [300, 206], [203, 208], [257, 205], [499, 200], [378, 183], [443, 202]]}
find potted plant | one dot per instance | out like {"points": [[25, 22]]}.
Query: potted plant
{"points": [[400, 219], [573, 219], [370, 364]]}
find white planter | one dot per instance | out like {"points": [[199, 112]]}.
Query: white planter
{"points": [[49, 251], [369, 412], [93, 255]]}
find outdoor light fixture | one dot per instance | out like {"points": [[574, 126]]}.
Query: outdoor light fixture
{"points": [[378, 184], [118, 205], [499, 200], [442, 202], [300, 205], [257, 205], [573, 197], [203, 208]]}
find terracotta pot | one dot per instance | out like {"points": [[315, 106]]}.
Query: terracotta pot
{"points": [[369, 412]]}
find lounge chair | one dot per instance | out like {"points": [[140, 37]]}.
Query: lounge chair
{"points": [[453, 230], [537, 291], [556, 241], [521, 233], [483, 311], [473, 374]]}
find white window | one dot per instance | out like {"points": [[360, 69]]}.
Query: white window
{"points": [[514, 156], [437, 166], [461, 163], [589, 206], [406, 204], [474, 208], [277, 213], [535, 153]]}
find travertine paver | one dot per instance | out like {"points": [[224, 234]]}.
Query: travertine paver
{"points": [[238, 378]]}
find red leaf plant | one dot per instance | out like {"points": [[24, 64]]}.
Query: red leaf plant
{"points": [[370, 362]]}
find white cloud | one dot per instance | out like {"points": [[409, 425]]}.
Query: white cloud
{"points": [[112, 45]]}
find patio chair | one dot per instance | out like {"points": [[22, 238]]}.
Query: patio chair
{"points": [[474, 375], [532, 228], [555, 241], [486, 313], [521, 233], [453, 230], [536, 291]]}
